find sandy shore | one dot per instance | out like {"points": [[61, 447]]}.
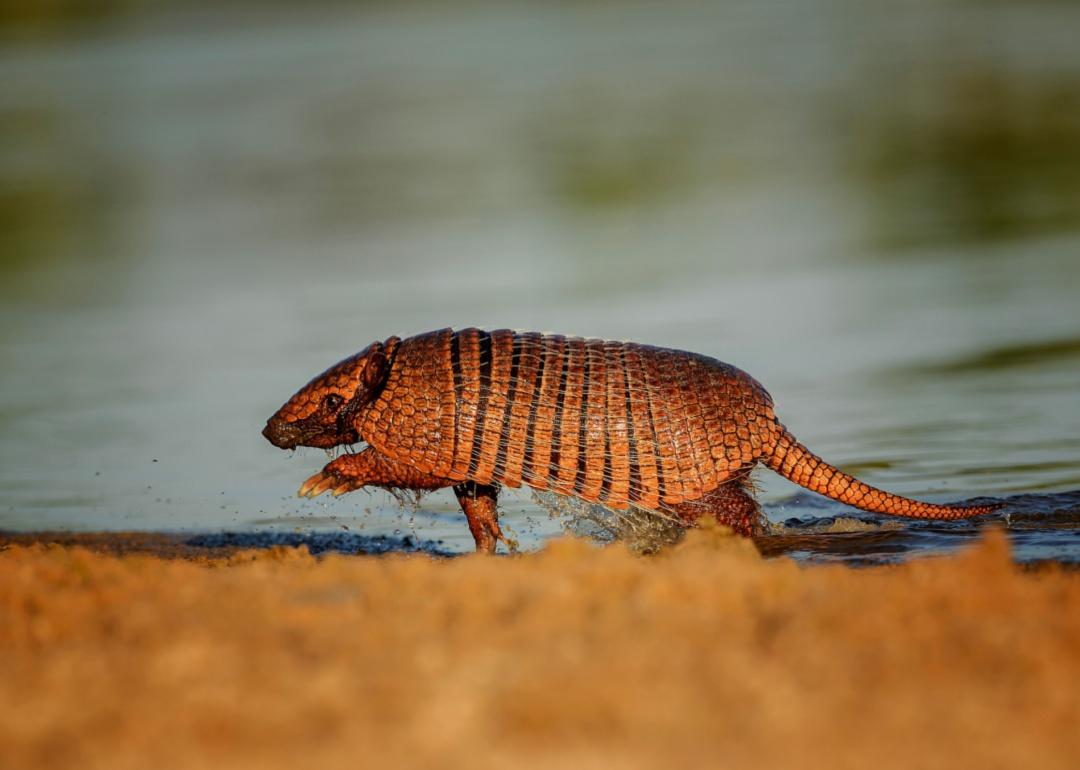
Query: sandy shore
{"points": [[142, 652]]}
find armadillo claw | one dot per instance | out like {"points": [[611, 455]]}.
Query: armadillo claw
{"points": [[341, 489], [323, 481], [316, 485], [327, 483], [307, 485]]}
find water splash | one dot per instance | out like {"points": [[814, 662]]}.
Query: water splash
{"points": [[1042, 527], [642, 531]]}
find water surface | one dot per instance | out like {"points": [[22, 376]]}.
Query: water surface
{"points": [[877, 214]]}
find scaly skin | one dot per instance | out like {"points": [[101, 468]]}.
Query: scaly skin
{"points": [[608, 422]]}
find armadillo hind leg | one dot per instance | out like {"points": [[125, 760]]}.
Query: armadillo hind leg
{"points": [[480, 504], [731, 504]]}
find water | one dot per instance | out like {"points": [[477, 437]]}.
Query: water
{"points": [[875, 213]]}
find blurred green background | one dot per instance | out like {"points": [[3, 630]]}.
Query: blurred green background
{"points": [[873, 208]]}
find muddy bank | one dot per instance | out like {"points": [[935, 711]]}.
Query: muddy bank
{"points": [[704, 656]]}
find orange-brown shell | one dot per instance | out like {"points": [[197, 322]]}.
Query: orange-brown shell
{"points": [[609, 422]]}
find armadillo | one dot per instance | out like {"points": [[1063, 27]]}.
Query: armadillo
{"points": [[615, 423]]}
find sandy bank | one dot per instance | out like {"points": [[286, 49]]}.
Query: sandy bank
{"points": [[706, 656]]}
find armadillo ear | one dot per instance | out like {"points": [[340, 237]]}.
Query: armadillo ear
{"points": [[376, 371]]}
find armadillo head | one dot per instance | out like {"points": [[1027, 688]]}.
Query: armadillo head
{"points": [[323, 412]]}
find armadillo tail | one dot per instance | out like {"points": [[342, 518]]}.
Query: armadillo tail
{"points": [[795, 462]]}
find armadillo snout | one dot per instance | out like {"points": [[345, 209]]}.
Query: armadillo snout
{"points": [[282, 434]]}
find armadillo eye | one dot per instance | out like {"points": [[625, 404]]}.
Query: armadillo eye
{"points": [[332, 402]]}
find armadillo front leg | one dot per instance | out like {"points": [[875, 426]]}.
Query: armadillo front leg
{"points": [[368, 468], [480, 504], [730, 504]]}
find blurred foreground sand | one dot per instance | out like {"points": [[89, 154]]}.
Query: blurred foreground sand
{"points": [[705, 656]]}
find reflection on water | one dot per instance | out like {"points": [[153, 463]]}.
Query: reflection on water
{"points": [[53, 195], [1042, 352], [1041, 527], [979, 156], [878, 215]]}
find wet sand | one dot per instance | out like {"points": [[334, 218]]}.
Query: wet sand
{"points": [[134, 652]]}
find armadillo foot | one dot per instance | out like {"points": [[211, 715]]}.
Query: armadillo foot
{"points": [[327, 480], [480, 504]]}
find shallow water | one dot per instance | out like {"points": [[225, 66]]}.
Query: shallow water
{"points": [[877, 215]]}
